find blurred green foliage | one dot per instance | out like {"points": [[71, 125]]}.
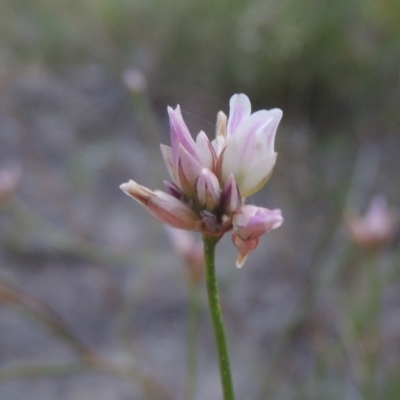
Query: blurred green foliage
{"points": [[309, 56]]}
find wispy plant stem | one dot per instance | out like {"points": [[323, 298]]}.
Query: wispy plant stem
{"points": [[216, 315]]}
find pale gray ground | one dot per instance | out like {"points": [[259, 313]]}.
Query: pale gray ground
{"points": [[77, 138]]}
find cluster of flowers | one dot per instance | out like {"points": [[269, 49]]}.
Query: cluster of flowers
{"points": [[211, 179]]}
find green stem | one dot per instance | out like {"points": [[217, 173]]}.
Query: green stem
{"points": [[216, 315]]}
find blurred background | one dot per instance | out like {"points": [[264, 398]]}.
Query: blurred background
{"points": [[95, 301]]}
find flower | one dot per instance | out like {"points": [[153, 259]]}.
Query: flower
{"points": [[376, 228], [249, 223], [211, 179], [191, 252], [249, 150]]}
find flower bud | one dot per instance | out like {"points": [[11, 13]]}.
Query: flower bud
{"points": [[207, 190], [230, 197]]}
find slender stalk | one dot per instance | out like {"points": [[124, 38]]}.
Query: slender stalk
{"points": [[192, 340], [370, 327], [216, 315], [41, 371]]}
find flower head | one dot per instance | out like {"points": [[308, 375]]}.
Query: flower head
{"points": [[211, 179], [376, 228]]}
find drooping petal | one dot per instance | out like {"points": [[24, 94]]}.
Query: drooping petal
{"points": [[250, 222], [162, 206], [208, 191], [180, 134], [239, 108], [244, 247]]}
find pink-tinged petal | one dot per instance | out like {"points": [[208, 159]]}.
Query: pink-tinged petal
{"points": [[244, 247], [166, 152], [180, 134], [250, 222], [205, 152], [188, 169], [230, 197], [208, 191], [162, 206], [174, 190], [239, 109]]}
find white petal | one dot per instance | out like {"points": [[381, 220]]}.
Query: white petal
{"points": [[230, 160], [180, 134], [239, 108], [257, 175], [187, 169]]}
